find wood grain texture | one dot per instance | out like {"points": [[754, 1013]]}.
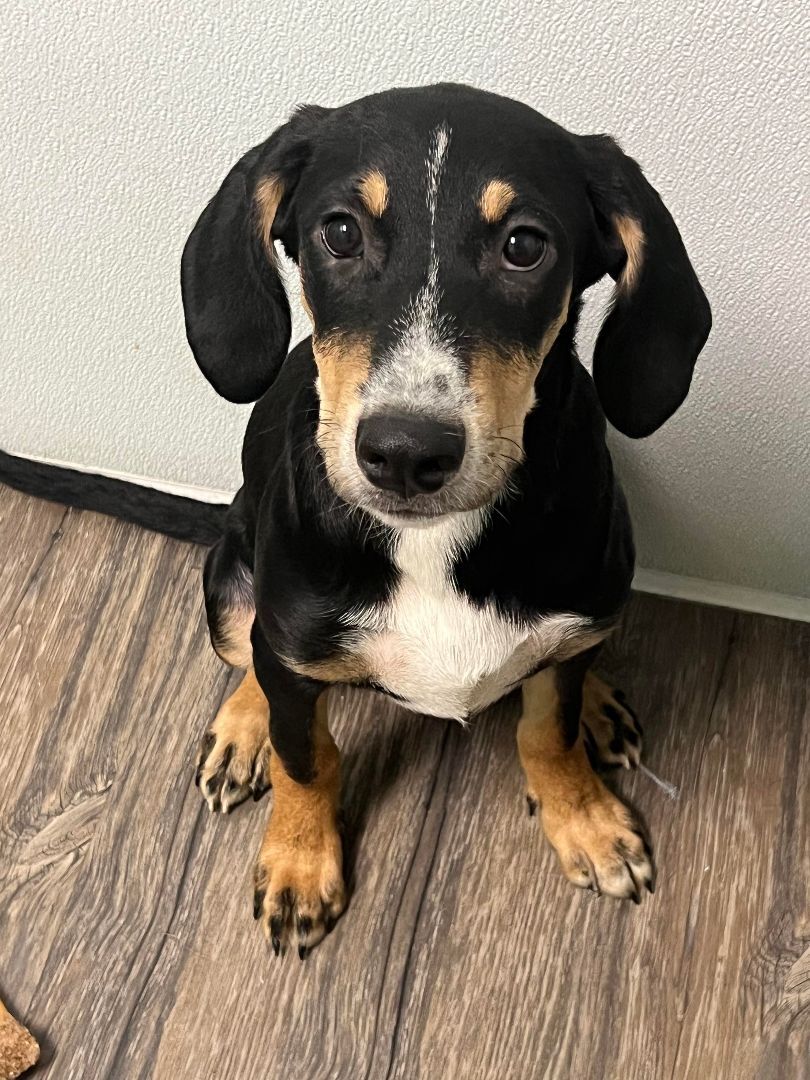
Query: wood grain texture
{"points": [[29, 529], [126, 942]]}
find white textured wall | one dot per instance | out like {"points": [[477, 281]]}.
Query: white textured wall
{"points": [[120, 117]]}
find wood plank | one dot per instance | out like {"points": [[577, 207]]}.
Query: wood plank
{"points": [[127, 907], [744, 1013], [110, 680], [127, 944], [29, 528], [513, 972], [238, 1011], [511, 978]]}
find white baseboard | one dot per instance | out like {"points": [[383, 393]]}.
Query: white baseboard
{"points": [[722, 594], [677, 586]]}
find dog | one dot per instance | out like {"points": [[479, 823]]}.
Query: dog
{"points": [[429, 507]]}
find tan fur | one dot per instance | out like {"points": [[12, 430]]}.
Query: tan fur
{"points": [[593, 833], [243, 722], [373, 191], [343, 667], [269, 192], [232, 641], [555, 326], [504, 394], [586, 638], [241, 733], [343, 365], [300, 865], [503, 387], [632, 237], [495, 200]]}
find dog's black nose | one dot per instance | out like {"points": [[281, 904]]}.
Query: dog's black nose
{"points": [[410, 455]]}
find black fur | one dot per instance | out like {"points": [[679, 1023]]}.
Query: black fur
{"points": [[561, 542], [649, 342], [237, 316], [560, 539]]}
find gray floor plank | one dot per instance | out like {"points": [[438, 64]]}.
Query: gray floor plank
{"points": [[750, 905], [514, 974], [94, 749], [126, 940], [29, 529], [241, 1012]]}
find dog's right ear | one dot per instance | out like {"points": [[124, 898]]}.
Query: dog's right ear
{"points": [[236, 308]]}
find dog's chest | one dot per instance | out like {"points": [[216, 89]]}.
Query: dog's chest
{"points": [[433, 648]]}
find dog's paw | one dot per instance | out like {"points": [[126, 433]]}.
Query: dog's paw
{"points": [[600, 845], [234, 759], [610, 729], [299, 891]]}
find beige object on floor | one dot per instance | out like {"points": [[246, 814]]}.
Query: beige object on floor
{"points": [[19, 1049]]}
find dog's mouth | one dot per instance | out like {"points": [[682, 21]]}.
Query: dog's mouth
{"points": [[401, 512], [470, 489], [406, 468]]}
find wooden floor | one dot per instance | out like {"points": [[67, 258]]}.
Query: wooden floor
{"points": [[126, 937]]}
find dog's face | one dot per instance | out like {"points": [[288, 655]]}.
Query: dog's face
{"points": [[436, 264], [443, 237]]}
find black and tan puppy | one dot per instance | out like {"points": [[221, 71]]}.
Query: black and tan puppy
{"points": [[429, 507]]}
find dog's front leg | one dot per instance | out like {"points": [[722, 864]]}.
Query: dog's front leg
{"points": [[299, 890], [597, 839]]}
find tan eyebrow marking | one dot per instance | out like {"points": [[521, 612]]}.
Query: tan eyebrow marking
{"points": [[632, 237], [373, 190], [269, 193], [495, 200]]}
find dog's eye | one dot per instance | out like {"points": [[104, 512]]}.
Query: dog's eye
{"points": [[524, 249], [342, 237]]}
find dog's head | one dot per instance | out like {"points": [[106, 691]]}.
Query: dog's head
{"points": [[443, 235]]}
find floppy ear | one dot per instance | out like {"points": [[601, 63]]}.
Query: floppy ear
{"points": [[659, 318], [236, 308]]}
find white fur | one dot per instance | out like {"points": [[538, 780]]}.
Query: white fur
{"points": [[427, 303], [436, 650], [405, 377]]}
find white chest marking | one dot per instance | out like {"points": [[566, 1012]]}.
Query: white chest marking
{"points": [[436, 650]]}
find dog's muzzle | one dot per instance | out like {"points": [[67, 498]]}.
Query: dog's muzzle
{"points": [[408, 455]]}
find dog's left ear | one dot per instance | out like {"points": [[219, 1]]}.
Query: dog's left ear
{"points": [[660, 318]]}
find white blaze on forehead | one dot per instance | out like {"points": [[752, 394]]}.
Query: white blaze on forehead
{"points": [[435, 165], [407, 375]]}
